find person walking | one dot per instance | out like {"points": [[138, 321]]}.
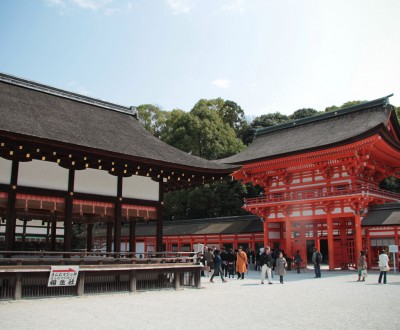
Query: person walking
{"points": [[362, 267], [383, 266], [317, 259], [266, 263], [210, 259], [281, 267], [217, 267], [241, 263], [297, 261]]}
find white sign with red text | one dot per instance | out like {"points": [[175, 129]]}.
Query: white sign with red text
{"points": [[63, 276]]}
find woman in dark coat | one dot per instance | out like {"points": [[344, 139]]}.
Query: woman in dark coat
{"points": [[280, 267]]}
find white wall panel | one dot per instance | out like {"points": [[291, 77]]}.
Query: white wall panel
{"points": [[42, 174], [5, 170], [96, 182], [140, 187]]}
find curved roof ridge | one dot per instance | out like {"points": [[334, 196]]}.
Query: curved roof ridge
{"points": [[354, 108], [30, 84]]}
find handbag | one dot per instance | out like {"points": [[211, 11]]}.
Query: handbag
{"points": [[385, 269], [364, 273]]}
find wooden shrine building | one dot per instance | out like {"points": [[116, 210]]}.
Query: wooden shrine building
{"points": [[67, 158], [321, 177]]}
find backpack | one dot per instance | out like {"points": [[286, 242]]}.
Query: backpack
{"points": [[319, 257]]}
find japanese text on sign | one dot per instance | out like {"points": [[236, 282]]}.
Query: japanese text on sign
{"points": [[63, 276]]}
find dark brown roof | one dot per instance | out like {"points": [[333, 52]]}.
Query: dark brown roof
{"points": [[313, 133], [383, 215], [35, 110], [212, 226]]}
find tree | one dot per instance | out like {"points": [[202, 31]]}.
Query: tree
{"points": [[303, 113], [152, 118], [268, 120]]}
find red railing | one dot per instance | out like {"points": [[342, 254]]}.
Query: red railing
{"points": [[364, 190]]}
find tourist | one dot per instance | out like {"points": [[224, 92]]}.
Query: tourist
{"points": [[224, 258], [241, 263], [281, 267], [362, 267], [217, 267], [231, 258], [316, 259], [210, 259], [383, 266], [297, 261], [266, 263]]}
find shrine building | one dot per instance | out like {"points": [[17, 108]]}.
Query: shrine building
{"points": [[321, 178], [70, 159]]}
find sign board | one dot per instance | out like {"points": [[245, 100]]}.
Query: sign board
{"points": [[394, 248], [63, 276]]}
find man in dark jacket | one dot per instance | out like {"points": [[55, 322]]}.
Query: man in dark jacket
{"points": [[266, 264], [217, 267]]}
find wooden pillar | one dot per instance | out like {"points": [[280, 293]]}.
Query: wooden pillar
{"points": [[68, 212], [109, 236], [11, 213], [160, 209], [118, 216], [266, 232], [132, 235], [368, 252], [288, 249], [89, 237], [358, 235], [53, 232], [329, 224]]}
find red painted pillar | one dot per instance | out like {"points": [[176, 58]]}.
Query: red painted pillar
{"points": [[358, 236], [288, 249], [266, 232], [329, 224], [368, 252]]}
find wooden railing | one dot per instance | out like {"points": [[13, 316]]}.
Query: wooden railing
{"points": [[295, 196]]}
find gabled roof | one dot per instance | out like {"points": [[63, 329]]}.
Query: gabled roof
{"points": [[34, 110], [317, 132], [382, 215]]}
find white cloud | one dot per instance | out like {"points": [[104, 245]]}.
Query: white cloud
{"points": [[222, 83], [235, 6], [91, 4], [181, 6]]}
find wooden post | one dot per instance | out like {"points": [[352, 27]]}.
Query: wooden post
{"points": [[288, 249], [197, 278], [177, 280], [18, 286], [89, 237], [133, 282], [132, 235], [159, 229], [69, 200], [118, 217], [80, 286], [109, 237], [53, 232], [11, 213]]}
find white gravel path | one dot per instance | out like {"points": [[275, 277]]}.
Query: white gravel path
{"points": [[335, 301]]}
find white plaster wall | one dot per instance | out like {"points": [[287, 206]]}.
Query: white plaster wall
{"points": [[96, 182], [274, 235], [140, 187], [5, 170], [42, 174]]}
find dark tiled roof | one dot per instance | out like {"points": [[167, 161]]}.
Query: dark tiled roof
{"points": [[214, 226], [313, 133], [35, 110], [383, 215]]}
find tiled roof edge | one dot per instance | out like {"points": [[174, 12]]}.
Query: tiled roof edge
{"points": [[65, 94], [370, 104]]}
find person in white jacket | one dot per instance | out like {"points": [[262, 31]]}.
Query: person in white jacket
{"points": [[383, 266]]}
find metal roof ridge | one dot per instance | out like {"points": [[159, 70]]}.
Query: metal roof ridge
{"points": [[354, 108], [7, 78]]}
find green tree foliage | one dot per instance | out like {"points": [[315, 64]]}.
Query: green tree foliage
{"points": [[152, 118], [303, 113], [344, 105]]}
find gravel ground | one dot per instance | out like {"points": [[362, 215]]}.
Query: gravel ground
{"points": [[335, 301]]}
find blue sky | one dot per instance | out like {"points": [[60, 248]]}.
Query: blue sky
{"points": [[265, 55]]}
